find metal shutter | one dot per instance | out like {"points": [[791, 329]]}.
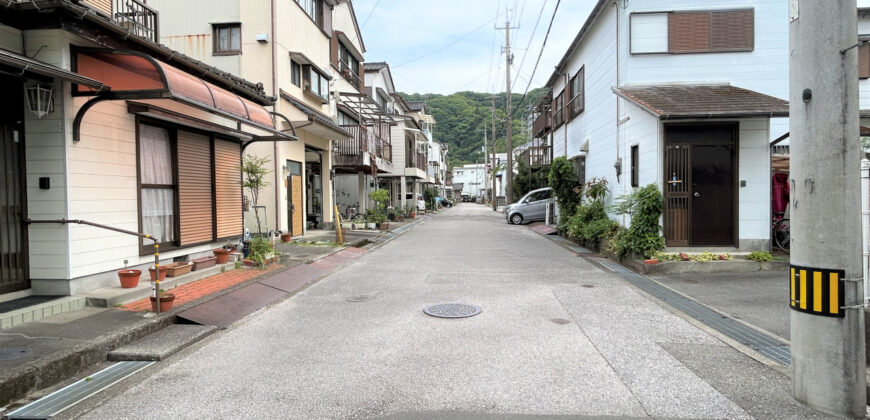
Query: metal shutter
{"points": [[688, 32], [864, 62], [195, 188], [228, 188], [732, 30], [103, 5]]}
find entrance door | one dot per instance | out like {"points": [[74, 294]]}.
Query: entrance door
{"points": [[14, 273], [295, 210], [699, 185]]}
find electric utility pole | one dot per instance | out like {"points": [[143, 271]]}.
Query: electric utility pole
{"points": [[494, 192], [825, 279], [509, 59], [485, 157]]}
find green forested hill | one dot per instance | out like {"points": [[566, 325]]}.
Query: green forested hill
{"points": [[461, 117]]}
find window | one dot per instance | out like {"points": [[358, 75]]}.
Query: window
{"points": [[693, 32], [315, 83], [578, 96], [296, 73], [227, 39], [349, 63], [314, 10], [559, 110], [635, 174], [156, 175], [346, 119]]}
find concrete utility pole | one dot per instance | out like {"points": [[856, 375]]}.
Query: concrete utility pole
{"points": [[826, 282], [509, 59], [494, 192], [485, 157]]}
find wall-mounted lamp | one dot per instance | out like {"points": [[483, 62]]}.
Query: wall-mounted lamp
{"points": [[39, 99]]}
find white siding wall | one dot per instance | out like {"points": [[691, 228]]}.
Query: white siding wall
{"points": [[343, 21], [754, 168], [471, 177]]}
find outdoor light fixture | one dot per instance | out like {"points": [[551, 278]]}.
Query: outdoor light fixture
{"points": [[39, 100]]}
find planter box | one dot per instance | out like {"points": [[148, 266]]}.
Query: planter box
{"points": [[177, 269], [204, 262]]}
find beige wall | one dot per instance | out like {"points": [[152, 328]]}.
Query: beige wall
{"points": [[193, 36]]}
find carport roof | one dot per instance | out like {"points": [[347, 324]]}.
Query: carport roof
{"points": [[669, 102]]}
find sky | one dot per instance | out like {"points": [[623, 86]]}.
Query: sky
{"points": [[447, 46]]}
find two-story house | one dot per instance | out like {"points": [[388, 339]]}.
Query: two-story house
{"points": [[106, 136], [295, 48], [682, 95]]}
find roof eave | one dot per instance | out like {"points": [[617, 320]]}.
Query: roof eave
{"points": [[593, 16]]}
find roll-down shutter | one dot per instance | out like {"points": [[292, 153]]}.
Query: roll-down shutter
{"points": [[195, 188], [228, 188]]}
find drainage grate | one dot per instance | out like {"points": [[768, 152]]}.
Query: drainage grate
{"points": [[64, 398], [14, 353], [452, 310], [360, 298], [765, 344]]}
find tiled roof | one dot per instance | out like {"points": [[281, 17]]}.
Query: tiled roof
{"points": [[378, 65], [416, 105], [703, 101]]}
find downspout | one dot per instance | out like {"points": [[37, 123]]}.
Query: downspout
{"points": [[275, 109]]}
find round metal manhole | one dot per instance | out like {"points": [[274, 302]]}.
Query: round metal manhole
{"points": [[13, 353], [452, 310], [560, 321], [360, 298]]}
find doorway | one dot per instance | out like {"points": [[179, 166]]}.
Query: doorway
{"points": [[314, 187], [700, 200], [294, 198], [14, 271]]}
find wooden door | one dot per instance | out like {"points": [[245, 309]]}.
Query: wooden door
{"points": [[295, 211], [712, 194], [14, 271]]}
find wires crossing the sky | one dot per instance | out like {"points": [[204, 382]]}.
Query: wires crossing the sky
{"points": [[538, 61], [446, 46]]}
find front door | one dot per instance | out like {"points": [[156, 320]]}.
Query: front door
{"points": [[699, 185], [295, 210], [14, 273]]}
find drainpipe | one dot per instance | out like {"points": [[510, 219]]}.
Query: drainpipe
{"points": [[275, 108]]}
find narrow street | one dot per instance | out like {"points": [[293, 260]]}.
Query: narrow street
{"points": [[557, 336]]}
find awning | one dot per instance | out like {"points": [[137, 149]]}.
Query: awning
{"points": [[669, 102], [130, 75], [28, 65], [300, 58], [320, 124], [366, 108]]}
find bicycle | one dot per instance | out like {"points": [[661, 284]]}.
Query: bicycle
{"points": [[781, 232]]}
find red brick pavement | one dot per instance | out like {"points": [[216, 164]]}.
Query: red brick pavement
{"points": [[207, 286]]}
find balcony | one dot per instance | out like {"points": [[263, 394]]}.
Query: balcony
{"points": [[422, 163], [350, 75], [137, 18], [543, 124], [536, 156], [365, 140]]}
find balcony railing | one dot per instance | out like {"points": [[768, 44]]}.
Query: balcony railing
{"points": [[357, 144], [350, 74], [536, 156], [543, 124], [369, 139], [137, 18], [422, 162]]}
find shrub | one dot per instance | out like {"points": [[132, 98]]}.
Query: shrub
{"points": [[591, 223], [760, 256], [563, 181], [379, 213], [261, 250], [643, 237], [527, 179]]}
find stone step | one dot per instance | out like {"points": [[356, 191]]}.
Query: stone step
{"points": [[41, 311], [162, 344]]}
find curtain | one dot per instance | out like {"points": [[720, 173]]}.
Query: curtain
{"points": [[158, 213], [158, 204]]}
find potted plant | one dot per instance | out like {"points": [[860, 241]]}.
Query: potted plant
{"points": [[162, 273], [222, 255], [129, 278], [285, 237], [262, 252], [371, 223], [166, 300]]}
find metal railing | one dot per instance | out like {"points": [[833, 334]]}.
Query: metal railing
{"points": [[137, 18], [543, 123], [350, 74], [357, 144]]}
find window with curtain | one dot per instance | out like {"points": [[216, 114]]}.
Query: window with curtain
{"points": [[227, 39], [156, 174]]}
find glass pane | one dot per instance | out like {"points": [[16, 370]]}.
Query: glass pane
{"points": [[158, 213], [236, 38], [155, 157], [223, 39]]}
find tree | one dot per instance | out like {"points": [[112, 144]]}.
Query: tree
{"points": [[563, 181], [527, 178], [253, 179]]}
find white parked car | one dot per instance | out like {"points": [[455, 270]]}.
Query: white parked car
{"points": [[421, 205]]}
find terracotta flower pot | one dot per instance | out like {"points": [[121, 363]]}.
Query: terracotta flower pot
{"points": [[129, 278], [412, 215], [651, 261], [222, 255], [166, 301], [162, 272], [285, 237]]}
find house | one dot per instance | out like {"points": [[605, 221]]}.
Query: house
{"points": [[682, 95], [111, 142], [473, 178], [299, 49]]}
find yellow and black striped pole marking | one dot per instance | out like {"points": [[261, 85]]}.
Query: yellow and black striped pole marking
{"points": [[816, 291]]}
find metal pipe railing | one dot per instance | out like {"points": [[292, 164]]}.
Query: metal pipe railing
{"points": [[156, 289]]}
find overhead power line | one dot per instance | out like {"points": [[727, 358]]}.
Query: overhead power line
{"points": [[370, 14], [546, 36], [445, 46], [532, 37]]}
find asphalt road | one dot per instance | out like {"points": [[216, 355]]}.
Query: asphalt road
{"points": [[557, 337]]}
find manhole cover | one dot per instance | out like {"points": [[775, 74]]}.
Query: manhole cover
{"points": [[360, 298], [452, 310], [14, 353], [588, 286], [560, 321]]}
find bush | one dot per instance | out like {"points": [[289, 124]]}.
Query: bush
{"points": [[527, 179], [261, 250], [379, 213], [643, 237], [566, 187], [591, 223]]}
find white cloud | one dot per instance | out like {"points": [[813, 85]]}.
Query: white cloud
{"points": [[399, 31]]}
